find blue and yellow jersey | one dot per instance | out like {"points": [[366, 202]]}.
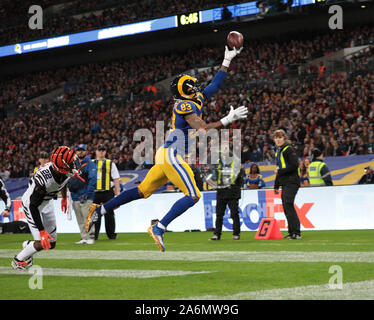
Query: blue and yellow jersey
{"points": [[169, 165], [258, 181], [184, 107], [180, 109]]}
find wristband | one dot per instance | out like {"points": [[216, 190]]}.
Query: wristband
{"points": [[226, 63], [225, 121]]}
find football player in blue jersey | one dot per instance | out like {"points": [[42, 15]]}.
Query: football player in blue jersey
{"points": [[169, 162]]}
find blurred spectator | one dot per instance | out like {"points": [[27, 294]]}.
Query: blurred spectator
{"points": [[43, 159], [368, 177], [321, 70], [318, 171], [255, 155], [303, 173], [4, 173]]}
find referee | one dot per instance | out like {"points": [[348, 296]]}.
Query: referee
{"points": [[288, 178], [107, 187]]}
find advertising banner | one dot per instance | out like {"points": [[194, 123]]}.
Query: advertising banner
{"points": [[318, 208]]}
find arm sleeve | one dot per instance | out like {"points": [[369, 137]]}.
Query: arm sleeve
{"points": [[326, 176], [240, 178], [36, 200], [216, 83], [5, 196], [115, 173], [276, 183], [292, 162]]}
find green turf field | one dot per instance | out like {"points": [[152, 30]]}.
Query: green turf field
{"points": [[192, 267]]}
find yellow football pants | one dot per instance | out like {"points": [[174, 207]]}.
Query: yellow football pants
{"points": [[169, 166]]}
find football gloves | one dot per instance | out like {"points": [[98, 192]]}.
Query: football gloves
{"points": [[229, 55], [64, 204], [235, 114], [83, 198], [44, 239]]}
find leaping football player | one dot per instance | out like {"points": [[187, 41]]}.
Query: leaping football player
{"points": [[36, 202], [169, 165]]}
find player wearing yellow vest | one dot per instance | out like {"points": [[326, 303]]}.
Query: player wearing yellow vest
{"points": [[319, 173], [287, 177]]}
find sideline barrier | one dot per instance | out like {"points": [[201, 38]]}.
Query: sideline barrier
{"points": [[345, 170], [318, 208]]}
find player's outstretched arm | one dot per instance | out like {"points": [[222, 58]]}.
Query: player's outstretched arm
{"points": [[198, 124], [218, 79], [235, 114]]}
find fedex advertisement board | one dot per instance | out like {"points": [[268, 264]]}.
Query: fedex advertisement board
{"points": [[318, 208]]}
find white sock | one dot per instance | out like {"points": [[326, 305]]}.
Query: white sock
{"points": [[161, 226], [27, 252]]}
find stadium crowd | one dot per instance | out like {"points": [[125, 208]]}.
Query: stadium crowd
{"points": [[79, 15], [263, 59], [105, 102]]}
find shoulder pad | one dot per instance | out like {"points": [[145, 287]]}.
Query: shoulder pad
{"points": [[185, 107]]}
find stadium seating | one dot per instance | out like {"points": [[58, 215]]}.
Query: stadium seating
{"points": [[77, 16], [101, 103]]}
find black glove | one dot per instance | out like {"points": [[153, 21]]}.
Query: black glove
{"points": [[83, 198]]}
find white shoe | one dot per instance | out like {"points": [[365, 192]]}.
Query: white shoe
{"points": [[90, 241], [81, 242]]}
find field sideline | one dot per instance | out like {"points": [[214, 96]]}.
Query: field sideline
{"points": [[132, 268]]}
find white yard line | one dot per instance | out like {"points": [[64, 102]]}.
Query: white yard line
{"points": [[363, 290], [110, 273], [249, 256]]}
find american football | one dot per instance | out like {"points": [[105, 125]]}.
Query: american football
{"points": [[235, 39]]}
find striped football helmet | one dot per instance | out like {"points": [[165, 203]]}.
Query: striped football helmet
{"points": [[184, 87], [63, 159]]}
